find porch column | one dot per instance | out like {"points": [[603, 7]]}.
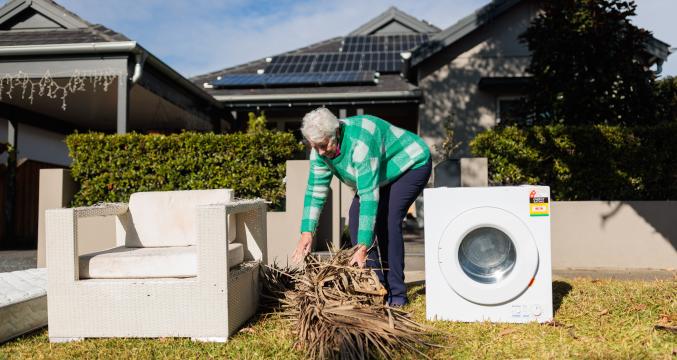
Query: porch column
{"points": [[11, 132], [10, 188], [123, 104]]}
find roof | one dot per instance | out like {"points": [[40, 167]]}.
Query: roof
{"points": [[57, 25], [94, 33], [391, 15], [658, 49], [30, 27], [461, 28], [46, 8], [388, 85]]}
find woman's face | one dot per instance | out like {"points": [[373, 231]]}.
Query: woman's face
{"points": [[326, 147]]}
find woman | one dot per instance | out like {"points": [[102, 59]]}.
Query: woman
{"points": [[387, 166]]}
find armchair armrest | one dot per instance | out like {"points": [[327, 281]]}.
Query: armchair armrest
{"points": [[104, 209], [240, 206], [251, 227], [213, 230], [62, 237]]}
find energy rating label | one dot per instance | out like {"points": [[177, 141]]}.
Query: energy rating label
{"points": [[538, 205]]}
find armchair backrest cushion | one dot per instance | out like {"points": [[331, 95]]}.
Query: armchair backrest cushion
{"points": [[168, 218]]}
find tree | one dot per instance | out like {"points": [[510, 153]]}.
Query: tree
{"points": [[589, 64]]}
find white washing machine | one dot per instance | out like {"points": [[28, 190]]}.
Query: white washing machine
{"points": [[487, 254]]}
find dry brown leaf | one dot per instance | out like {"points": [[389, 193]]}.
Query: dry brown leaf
{"points": [[555, 323], [665, 319], [338, 310], [247, 330], [507, 331], [603, 312]]}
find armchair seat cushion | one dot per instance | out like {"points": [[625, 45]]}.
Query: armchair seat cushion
{"points": [[153, 262]]}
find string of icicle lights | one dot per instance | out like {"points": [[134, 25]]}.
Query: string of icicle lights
{"points": [[27, 87]]}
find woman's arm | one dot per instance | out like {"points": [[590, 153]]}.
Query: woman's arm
{"points": [[319, 178], [367, 163]]}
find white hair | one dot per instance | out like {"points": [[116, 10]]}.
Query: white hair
{"points": [[319, 125]]}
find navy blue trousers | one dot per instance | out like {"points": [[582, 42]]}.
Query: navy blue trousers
{"points": [[394, 201]]}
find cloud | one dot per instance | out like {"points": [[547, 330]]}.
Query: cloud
{"points": [[196, 37]]}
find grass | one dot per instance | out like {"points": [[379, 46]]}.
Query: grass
{"points": [[605, 319]]}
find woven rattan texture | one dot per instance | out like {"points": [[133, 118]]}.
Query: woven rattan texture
{"points": [[212, 305]]}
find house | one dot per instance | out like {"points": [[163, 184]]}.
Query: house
{"points": [[474, 72], [470, 74], [123, 86], [355, 74], [60, 74]]}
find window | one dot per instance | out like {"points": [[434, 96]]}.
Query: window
{"points": [[510, 110]]}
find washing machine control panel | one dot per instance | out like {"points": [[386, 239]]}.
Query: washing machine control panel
{"points": [[526, 310]]}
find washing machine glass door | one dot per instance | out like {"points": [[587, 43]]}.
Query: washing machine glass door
{"points": [[488, 255]]}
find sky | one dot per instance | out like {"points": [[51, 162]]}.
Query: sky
{"points": [[198, 36]]}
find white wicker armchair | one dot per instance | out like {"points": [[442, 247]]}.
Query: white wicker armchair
{"points": [[186, 265]]}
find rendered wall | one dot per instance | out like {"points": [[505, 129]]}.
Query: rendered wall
{"points": [[449, 80], [601, 234], [56, 191], [585, 234], [284, 227]]}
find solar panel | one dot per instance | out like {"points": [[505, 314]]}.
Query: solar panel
{"points": [[286, 64], [355, 63], [282, 79], [379, 43], [385, 62]]}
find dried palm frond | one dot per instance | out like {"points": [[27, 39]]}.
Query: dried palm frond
{"points": [[339, 310]]}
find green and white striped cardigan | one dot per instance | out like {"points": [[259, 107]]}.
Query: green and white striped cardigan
{"points": [[373, 153]]}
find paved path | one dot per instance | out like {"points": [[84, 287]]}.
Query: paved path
{"points": [[18, 260]]}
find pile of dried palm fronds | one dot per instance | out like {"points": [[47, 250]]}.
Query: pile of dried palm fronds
{"points": [[339, 311]]}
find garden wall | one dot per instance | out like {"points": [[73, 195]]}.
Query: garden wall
{"points": [[585, 234]]}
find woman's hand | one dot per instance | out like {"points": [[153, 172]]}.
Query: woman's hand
{"points": [[360, 256], [303, 247]]}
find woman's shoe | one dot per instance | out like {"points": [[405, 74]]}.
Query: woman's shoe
{"points": [[397, 302]]}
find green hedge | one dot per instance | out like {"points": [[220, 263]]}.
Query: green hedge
{"points": [[597, 162], [112, 167]]}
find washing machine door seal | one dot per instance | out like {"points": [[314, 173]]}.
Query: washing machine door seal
{"points": [[511, 255]]}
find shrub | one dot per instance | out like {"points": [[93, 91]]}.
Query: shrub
{"points": [[596, 162], [666, 99], [111, 167]]}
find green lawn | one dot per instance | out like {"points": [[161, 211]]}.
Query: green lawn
{"points": [[604, 319]]}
